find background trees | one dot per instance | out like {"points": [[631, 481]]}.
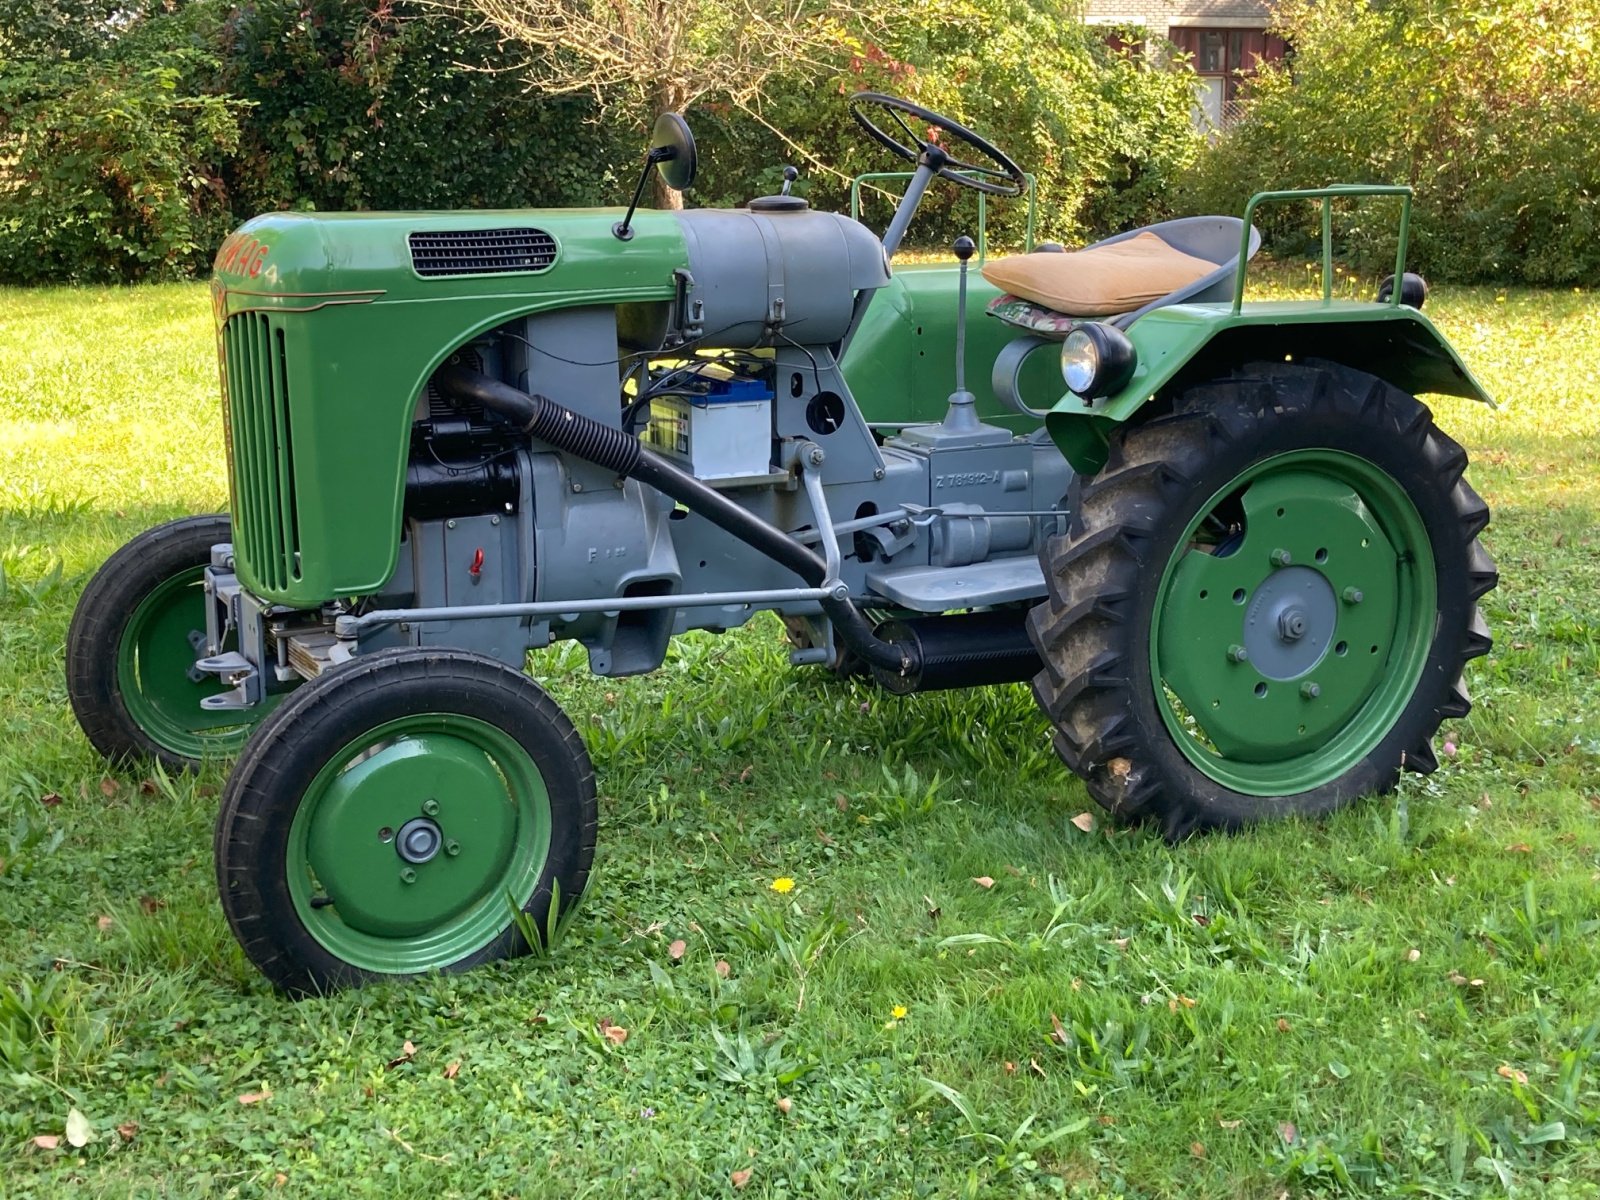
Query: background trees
{"points": [[133, 134]]}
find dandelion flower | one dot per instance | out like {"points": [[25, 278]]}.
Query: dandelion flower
{"points": [[898, 1012], [782, 885]]}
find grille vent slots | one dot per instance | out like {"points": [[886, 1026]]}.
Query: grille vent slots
{"points": [[481, 251], [265, 514]]}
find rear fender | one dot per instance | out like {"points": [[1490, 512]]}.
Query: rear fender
{"points": [[1186, 342]]}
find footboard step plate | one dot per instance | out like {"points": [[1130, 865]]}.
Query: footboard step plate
{"points": [[940, 589]]}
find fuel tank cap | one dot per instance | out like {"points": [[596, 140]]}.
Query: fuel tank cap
{"points": [[778, 204]]}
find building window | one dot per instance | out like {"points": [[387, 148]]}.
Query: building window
{"points": [[1224, 59]]}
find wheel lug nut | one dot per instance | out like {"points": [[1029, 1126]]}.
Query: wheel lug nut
{"points": [[407, 875], [1309, 690], [452, 848], [1352, 595], [1282, 558], [430, 808], [1238, 654]]}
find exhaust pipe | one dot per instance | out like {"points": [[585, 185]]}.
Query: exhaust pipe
{"points": [[969, 650]]}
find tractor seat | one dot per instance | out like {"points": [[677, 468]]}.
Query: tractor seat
{"points": [[1123, 277]]}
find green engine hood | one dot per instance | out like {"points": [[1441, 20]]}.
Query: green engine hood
{"points": [[296, 261]]}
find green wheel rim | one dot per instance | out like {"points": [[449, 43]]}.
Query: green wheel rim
{"points": [[154, 657], [1293, 622], [478, 813]]}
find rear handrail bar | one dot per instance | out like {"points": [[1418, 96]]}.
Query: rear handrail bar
{"points": [[983, 204], [1328, 195]]}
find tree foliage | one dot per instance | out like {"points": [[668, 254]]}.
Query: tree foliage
{"points": [[110, 148], [1491, 112]]}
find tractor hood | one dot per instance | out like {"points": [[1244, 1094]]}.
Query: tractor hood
{"points": [[542, 259], [297, 260]]}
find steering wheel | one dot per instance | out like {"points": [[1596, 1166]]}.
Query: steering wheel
{"points": [[1007, 181]]}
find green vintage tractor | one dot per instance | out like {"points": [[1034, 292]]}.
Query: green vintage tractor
{"points": [[1237, 559]]}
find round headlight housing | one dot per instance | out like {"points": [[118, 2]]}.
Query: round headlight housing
{"points": [[1097, 359]]}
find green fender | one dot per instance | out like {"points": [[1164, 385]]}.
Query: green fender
{"points": [[1184, 343]]}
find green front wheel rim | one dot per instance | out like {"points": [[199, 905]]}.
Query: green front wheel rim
{"points": [[1293, 621], [474, 806], [154, 658]]}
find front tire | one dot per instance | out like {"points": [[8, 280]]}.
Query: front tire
{"points": [[130, 652], [1264, 601], [394, 815]]}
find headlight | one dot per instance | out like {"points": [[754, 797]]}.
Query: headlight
{"points": [[1097, 359]]}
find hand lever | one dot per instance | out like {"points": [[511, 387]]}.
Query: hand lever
{"points": [[964, 249], [790, 174]]}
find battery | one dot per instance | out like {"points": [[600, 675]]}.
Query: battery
{"points": [[722, 432]]}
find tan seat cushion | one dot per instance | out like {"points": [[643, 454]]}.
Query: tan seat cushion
{"points": [[1101, 281]]}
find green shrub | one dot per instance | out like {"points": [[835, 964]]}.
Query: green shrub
{"points": [[109, 153], [1492, 113], [379, 106]]}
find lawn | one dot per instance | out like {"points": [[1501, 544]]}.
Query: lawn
{"points": [[964, 993]]}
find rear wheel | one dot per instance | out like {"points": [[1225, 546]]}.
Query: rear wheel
{"points": [[1264, 601], [131, 649], [396, 815]]}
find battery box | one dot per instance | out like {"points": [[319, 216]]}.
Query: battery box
{"points": [[721, 430]]}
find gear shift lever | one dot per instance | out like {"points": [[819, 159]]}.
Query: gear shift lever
{"points": [[962, 415]]}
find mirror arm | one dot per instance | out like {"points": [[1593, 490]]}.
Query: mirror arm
{"points": [[622, 230]]}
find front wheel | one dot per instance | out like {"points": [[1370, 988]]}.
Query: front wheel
{"points": [[131, 649], [1264, 601], [416, 810]]}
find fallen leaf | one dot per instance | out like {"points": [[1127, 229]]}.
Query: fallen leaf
{"points": [[1283, 1025], [824, 838], [208, 790], [151, 904], [128, 1130], [1033, 1065], [1009, 1067], [1413, 954], [1477, 983], [740, 1178], [1288, 1132], [615, 1034], [983, 881], [255, 1097], [1198, 1149], [1519, 848], [279, 1179], [50, 799], [1120, 943], [723, 969], [1504, 1070], [1119, 767], [1201, 919], [1014, 871], [677, 948], [1058, 1031], [933, 909], [744, 775], [108, 787], [451, 1071], [47, 1141], [538, 1018], [407, 1053], [1084, 821], [841, 802], [105, 923], [1174, 1001], [785, 1105], [147, 788], [1230, 1124]]}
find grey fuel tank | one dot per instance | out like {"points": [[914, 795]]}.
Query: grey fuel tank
{"points": [[815, 263]]}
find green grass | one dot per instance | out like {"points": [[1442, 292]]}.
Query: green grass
{"points": [[1405, 999]]}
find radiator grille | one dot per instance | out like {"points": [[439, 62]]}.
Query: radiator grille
{"points": [[265, 523], [482, 251]]}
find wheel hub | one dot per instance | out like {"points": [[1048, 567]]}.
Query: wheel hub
{"points": [[1289, 622], [419, 840]]}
